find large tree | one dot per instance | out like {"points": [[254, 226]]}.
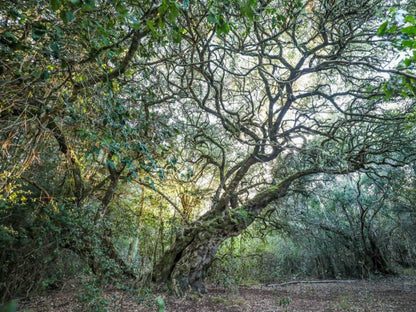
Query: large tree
{"points": [[263, 92], [288, 90]]}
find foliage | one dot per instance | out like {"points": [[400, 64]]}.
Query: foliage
{"points": [[400, 30], [71, 133], [30, 243]]}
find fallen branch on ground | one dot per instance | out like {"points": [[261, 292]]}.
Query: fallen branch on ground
{"points": [[312, 282]]}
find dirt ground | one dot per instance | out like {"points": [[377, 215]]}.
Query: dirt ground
{"points": [[382, 295]]}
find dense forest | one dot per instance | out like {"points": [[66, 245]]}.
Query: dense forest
{"points": [[181, 143]]}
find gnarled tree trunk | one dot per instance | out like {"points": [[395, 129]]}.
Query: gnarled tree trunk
{"points": [[183, 265]]}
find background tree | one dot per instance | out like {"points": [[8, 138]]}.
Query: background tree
{"points": [[360, 220]]}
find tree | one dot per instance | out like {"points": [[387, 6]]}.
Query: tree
{"points": [[71, 129], [94, 93], [291, 90]]}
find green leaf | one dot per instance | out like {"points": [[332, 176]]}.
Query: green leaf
{"points": [[409, 30], [410, 19], [404, 94], [382, 29], [161, 304], [38, 33], [161, 174], [14, 13], [392, 30], [58, 31], [407, 62], [173, 13], [223, 27], [67, 16], [122, 9], [55, 5], [387, 91], [127, 179], [408, 44], [55, 50], [110, 164], [393, 10], [90, 4], [163, 7], [9, 37], [248, 9], [151, 25], [212, 18]]}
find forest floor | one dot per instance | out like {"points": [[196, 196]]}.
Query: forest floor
{"points": [[381, 295]]}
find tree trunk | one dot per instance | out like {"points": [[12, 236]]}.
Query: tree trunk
{"points": [[184, 264], [190, 268], [379, 261]]}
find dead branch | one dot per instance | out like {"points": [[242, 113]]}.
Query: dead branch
{"points": [[313, 282]]}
